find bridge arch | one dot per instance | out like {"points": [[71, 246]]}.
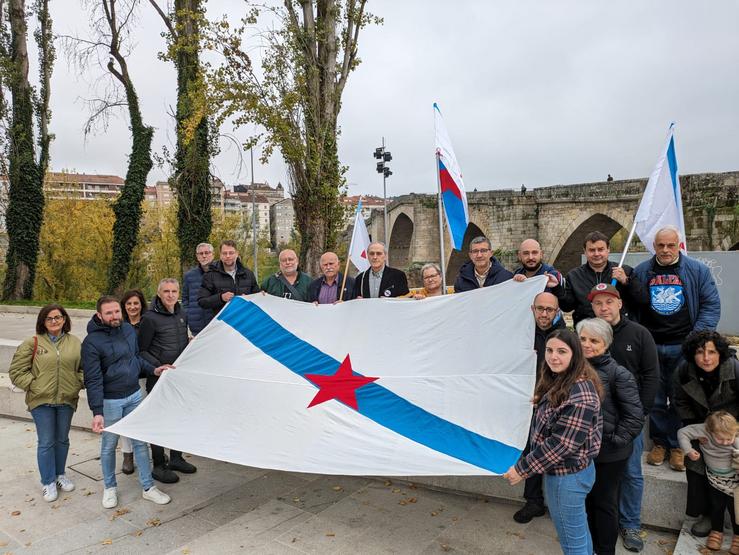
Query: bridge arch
{"points": [[401, 238], [457, 258], [567, 250]]}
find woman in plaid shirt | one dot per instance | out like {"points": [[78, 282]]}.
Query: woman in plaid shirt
{"points": [[565, 438]]}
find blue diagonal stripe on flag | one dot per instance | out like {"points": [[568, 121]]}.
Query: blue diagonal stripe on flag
{"points": [[375, 402]]}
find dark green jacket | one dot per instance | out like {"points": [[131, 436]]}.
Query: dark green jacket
{"points": [[53, 375], [275, 286]]}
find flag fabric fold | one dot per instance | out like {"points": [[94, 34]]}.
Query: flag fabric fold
{"points": [[368, 387], [450, 181], [360, 242], [661, 204]]}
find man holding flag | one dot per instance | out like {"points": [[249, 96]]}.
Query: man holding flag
{"points": [[682, 293]]}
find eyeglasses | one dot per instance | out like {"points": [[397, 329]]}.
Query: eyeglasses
{"points": [[204, 253], [479, 251], [547, 309], [52, 319], [431, 276]]}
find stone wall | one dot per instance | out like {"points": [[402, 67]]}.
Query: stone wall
{"points": [[560, 216]]}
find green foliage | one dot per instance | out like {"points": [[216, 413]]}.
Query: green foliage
{"points": [[295, 98], [26, 168]]}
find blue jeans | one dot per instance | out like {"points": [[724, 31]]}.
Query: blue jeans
{"points": [[565, 496], [113, 411], [632, 486], [52, 428], [663, 420]]}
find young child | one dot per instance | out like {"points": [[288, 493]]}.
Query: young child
{"points": [[718, 442]]}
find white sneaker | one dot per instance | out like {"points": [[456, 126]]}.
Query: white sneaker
{"points": [[49, 492], [110, 498], [157, 496], [64, 483]]}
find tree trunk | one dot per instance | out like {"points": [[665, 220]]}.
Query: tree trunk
{"points": [[192, 172], [26, 196]]}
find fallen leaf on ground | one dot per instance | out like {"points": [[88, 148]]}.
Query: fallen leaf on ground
{"points": [[29, 500], [434, 513], [413, 486], [445, 547], [185, 551], [519, 535], [153, 522], [15, 513], [3, 544], [138, 533], [120, 512], [396, 490], [337, 488], [89, 492], [108, 542], [388, 483], [55, 506], [402, 502], [330, 534], [412, 500]]}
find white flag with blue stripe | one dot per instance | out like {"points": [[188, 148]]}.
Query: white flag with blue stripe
{"points": [[662, 204], [366, 387]]}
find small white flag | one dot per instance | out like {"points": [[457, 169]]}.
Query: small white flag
{"points": [[662, 205], [360, 242]]}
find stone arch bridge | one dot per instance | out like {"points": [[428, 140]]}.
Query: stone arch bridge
{"points": [[559, 217]]}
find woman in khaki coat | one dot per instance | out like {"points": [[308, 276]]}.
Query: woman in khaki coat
{"points": [[48, 368]]}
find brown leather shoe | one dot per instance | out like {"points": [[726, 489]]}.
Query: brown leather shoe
{"points": [[677, 460], [714, 541], [657, 455], [127, 467]]}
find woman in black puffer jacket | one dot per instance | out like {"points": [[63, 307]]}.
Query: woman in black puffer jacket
{"points": [[623, 419]]}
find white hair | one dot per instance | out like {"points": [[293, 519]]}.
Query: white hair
{"points": [[671, 229], [597, 327]]}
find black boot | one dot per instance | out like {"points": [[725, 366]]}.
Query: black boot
{"points": [[164, 475], [176, 462], [528, 512]]}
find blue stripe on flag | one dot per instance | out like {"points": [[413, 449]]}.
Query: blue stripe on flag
{"points": [[375, 402], [672, 161], [454, 209]]}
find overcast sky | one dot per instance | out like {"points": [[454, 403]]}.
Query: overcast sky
{"points": [[532, 92]]}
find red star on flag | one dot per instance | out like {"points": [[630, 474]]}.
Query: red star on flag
{"points": [[342, 385]]}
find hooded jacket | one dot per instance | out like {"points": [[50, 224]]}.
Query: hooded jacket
{"points": [[623, 416], [111, 363], [51, 375], [466, 280]]}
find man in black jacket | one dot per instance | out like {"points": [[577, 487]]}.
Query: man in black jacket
{"points": [[482, 270], [380, 281], [633, 348], [327, 288], [548, 318], [162, 337], [226, 279], [597, 269]]}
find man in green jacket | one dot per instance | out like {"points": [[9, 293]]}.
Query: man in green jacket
{"points": [[289, 282]]}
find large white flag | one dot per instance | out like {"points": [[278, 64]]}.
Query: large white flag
{"points": [[360, 242], [662, 203], [367, 387]]}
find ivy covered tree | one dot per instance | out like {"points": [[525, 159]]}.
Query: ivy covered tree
{"points": [[24, 158], [295, 98], [111, 22], [191, 179]]}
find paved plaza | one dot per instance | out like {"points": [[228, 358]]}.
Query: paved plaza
{"points": [[227, 508]]}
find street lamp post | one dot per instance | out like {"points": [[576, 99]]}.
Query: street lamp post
{"points": [[384, 157], [254, 215]]}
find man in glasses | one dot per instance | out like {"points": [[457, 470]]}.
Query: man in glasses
{"points": [[482, 270], [197, 317], [548, 318]]}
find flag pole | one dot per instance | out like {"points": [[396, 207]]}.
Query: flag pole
{"points": [[348, 253], [441, 229]]}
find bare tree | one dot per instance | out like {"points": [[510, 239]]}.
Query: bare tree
{"points": [[112, 21]]}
